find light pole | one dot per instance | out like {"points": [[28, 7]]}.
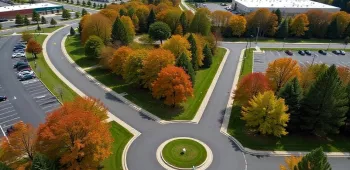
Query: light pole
{"points": [[257, 36], [313, 58], [250, 42], [284, 41], [329, 44]]}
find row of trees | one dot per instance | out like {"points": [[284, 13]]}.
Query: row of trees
{"points": [[85, 3], [312, 98], [20, 20], [73, 136]]}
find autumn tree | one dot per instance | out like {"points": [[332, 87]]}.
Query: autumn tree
{"points": [[266, 114], [325, 105], [201, 23], [208, 57], [262, 18], [118, 59], [177, 45], [315, 160], [173, 84], [135, 21], [106, 57], [34, 47], [309, 73], [237, 24], [342, 21], [26, 36], [93, 47], [332, 30], [186, 64], [142, 13], [221, 18], [291, 162], [156, 60], [272, 25], [110, 14], [170, 17], [318, 22], [299, 25], [82, 22], [21, 143], [98, 25], [132, 67], [129, 27], [344, 74], [159, 31], [250, 85], [280, 71], [92, 105]]}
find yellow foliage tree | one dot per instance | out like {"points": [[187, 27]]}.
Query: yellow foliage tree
{"points": [[110, 14], [99, 25], [300, 24], [221, 18], [291, 163], [177, 45], [238, 25], [118, 59]]}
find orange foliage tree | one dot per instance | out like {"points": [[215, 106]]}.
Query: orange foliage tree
{"points": [[132, 67], [291, 163], [156, 60], [110, 14], [280, 71], [118, 59], [221, 18], [76, 136], [238, 25], [173, 84], [106, 55], [99, 25], [344, 74], [22, 143], [34, 47], [250, 85], [177, 45], [91, 105], [299, 25]]}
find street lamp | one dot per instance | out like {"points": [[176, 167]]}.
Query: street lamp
{"points": [[329, 44], [284, 41], [313, 58], [250, 43], [257, 36]]}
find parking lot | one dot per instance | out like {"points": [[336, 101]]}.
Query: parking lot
{"points": [[8, 113], [261, 60], [216, 6]]}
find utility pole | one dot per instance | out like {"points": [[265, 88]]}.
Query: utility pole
{"points": [[284, 41], [257, 35], [329, 44], [313, 59]]}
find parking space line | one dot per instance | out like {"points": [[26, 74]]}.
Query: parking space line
{"points": [[45, 92], [7, 112], [10, 125], [50, 105], [52, 97], [6, 108], [30, 81], [43, 88], [4, 133], [4, 103], [8, 116], [31, 84], [9, 120], [47, 102], [33, 87]]}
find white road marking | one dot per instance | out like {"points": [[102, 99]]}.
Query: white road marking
{"points": [[245, 160], [6, 108], [39, 97], [14, 98], [8, 116], [4, 103], [10, 124], [4, 134], [43, 89], [39, 93], [31, 84], [7, 112], [50, 106], [9, 120], [30, 81], [34, 87]]}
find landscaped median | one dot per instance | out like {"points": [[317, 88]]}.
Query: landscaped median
{"points": [[143, 97]]}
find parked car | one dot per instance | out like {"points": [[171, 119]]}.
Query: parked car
{"points": [[18, 55], [288, 52], [24, 72], [19, 51], [17, 48], [23, 42], [27, 77], [307, 52], [301, 52], [3, 19], [323, 52], [3, 98], [342, 52], [223, 4], [22, 67], [9, 130], [20, 45], [19, 63], [336, 52]]}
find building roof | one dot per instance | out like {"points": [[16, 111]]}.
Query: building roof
{"points": [[283, 4], [27, 6]]}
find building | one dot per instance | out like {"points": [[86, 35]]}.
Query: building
{"points": [[287, 7], [10, 12]]}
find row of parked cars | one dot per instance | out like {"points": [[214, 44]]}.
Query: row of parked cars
{"points": [[323, 52], [22, 66]]}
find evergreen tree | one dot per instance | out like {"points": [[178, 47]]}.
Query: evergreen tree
{"points": [[325, 105], [101, 6], [77, 14], [279, 16], [119, 32], [83, 11], [104, 5], [88, 3], [83, 3], [0, 26], [123, 12], [347, 31], [94, 5], [332, 30], [315, 160], [151, 18], [193, 50], [131, 12], [3, 166], [283, 31], [65, 14], [159, 31], [78, 2], [292, 94], [201, 23], [43, 20], [38, 28], [35, 16], [19, 19], [347, 121], [26, 20], [183, 22], [53, 22], [183, 62], [42, 162], [208, 56], [72, 32], [71, 1]]}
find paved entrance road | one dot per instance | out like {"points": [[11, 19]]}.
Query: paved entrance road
{"points": [[142, 153]]}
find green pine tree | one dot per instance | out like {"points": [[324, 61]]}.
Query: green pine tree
{"points": [[193, 50], [43, 20], [100, 6], [26, 20], [94, 5], [35, 16], [123, 12], [151, 18], [65, 14], [71, 1], [282, 31], [88, 3], [325, 105], [83, 3], [315, 160], [292, 93], [279, 16], [78, 2], [332, 30], [119, 32], [208, 57], [53, 22], [131, 12], [42, 162], [183, 22], [0, 26], [72, 32], [19, 19], [83, 11], [183, 62], [77, 14], [104, 6], [3, 166]]}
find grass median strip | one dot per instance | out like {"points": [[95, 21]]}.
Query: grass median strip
{"points": [[46, 30]]}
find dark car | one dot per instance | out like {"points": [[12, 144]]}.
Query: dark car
{"points": [[336, 52], [301, 52], [3, 20], [20, 45], [289, 52], [9, 130], [22, 67], [27, 77], [323, 52], [20, 63], [307, 52], [3, 98]]}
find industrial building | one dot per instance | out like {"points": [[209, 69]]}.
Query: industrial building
{"points": [[10, 12], [287, 7]]}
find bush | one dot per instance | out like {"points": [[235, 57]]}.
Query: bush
{"points": [[93, 46]]}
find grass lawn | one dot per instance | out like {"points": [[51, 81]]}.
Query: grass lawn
{"points": [[46, 30], [247, 62], [288, 40], [195, 153], [291, 142], [47, 76], [121, 137], [143, 97]]}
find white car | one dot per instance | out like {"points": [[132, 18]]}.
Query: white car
{"points": [[18, 55], [23, 73]]}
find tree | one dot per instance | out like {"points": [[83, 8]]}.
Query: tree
{"points": [[201, 22], [123, 12], [65, 14], [344, 74], [21, 143], [177, 45], [110, 14], [42, 162], [266, 114], [291, 163], [292, 94], [118, 59], [309, 73], [76, 136], [132, 67], [279, 16], [38, 27], [170, 17], [237, 24], [142, 12], [78, 2], [318, 22], [194, 52], [83, 11], [280, 71], [135, 21], [88, 3], [119, 32], [343, 20], [3, 166], [159, 31], [325, 105], [19, 19], [185, 64], [92, 105], [332, 31], [100, 6], [283, 30], [26, 20], [220, 19], [77, 14], [96, 24], [272, 25], [151, 18], [106, 57], [178, 30], [129, 28], [260, 18], [93, 46], [72, 32], [183, 22], [173, 84], [53, 22], [71, 1], [94, 5], [33, 47], [83, 3], [156, 60], [208, 57], [299, 25], [82, 22], [43, 20], [250, 85], [26, 36], [35, 16], [315, 160], [347, 32]]}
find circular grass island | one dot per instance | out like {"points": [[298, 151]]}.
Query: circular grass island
{"points": [[173, 154]]}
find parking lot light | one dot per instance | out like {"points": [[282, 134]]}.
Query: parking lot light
{"points": [[313, 58], [284, 41], [329, 44]]}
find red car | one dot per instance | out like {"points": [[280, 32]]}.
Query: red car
{"points": [[288, 52]]}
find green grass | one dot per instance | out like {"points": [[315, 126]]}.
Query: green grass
{"points": [[143, 97], [195, 153], [47, 76], [291, 142], [288, 40], [121, 137], [247, 62], [46, 30]]}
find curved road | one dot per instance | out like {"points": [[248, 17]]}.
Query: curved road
{"points": [[142, 152]]}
